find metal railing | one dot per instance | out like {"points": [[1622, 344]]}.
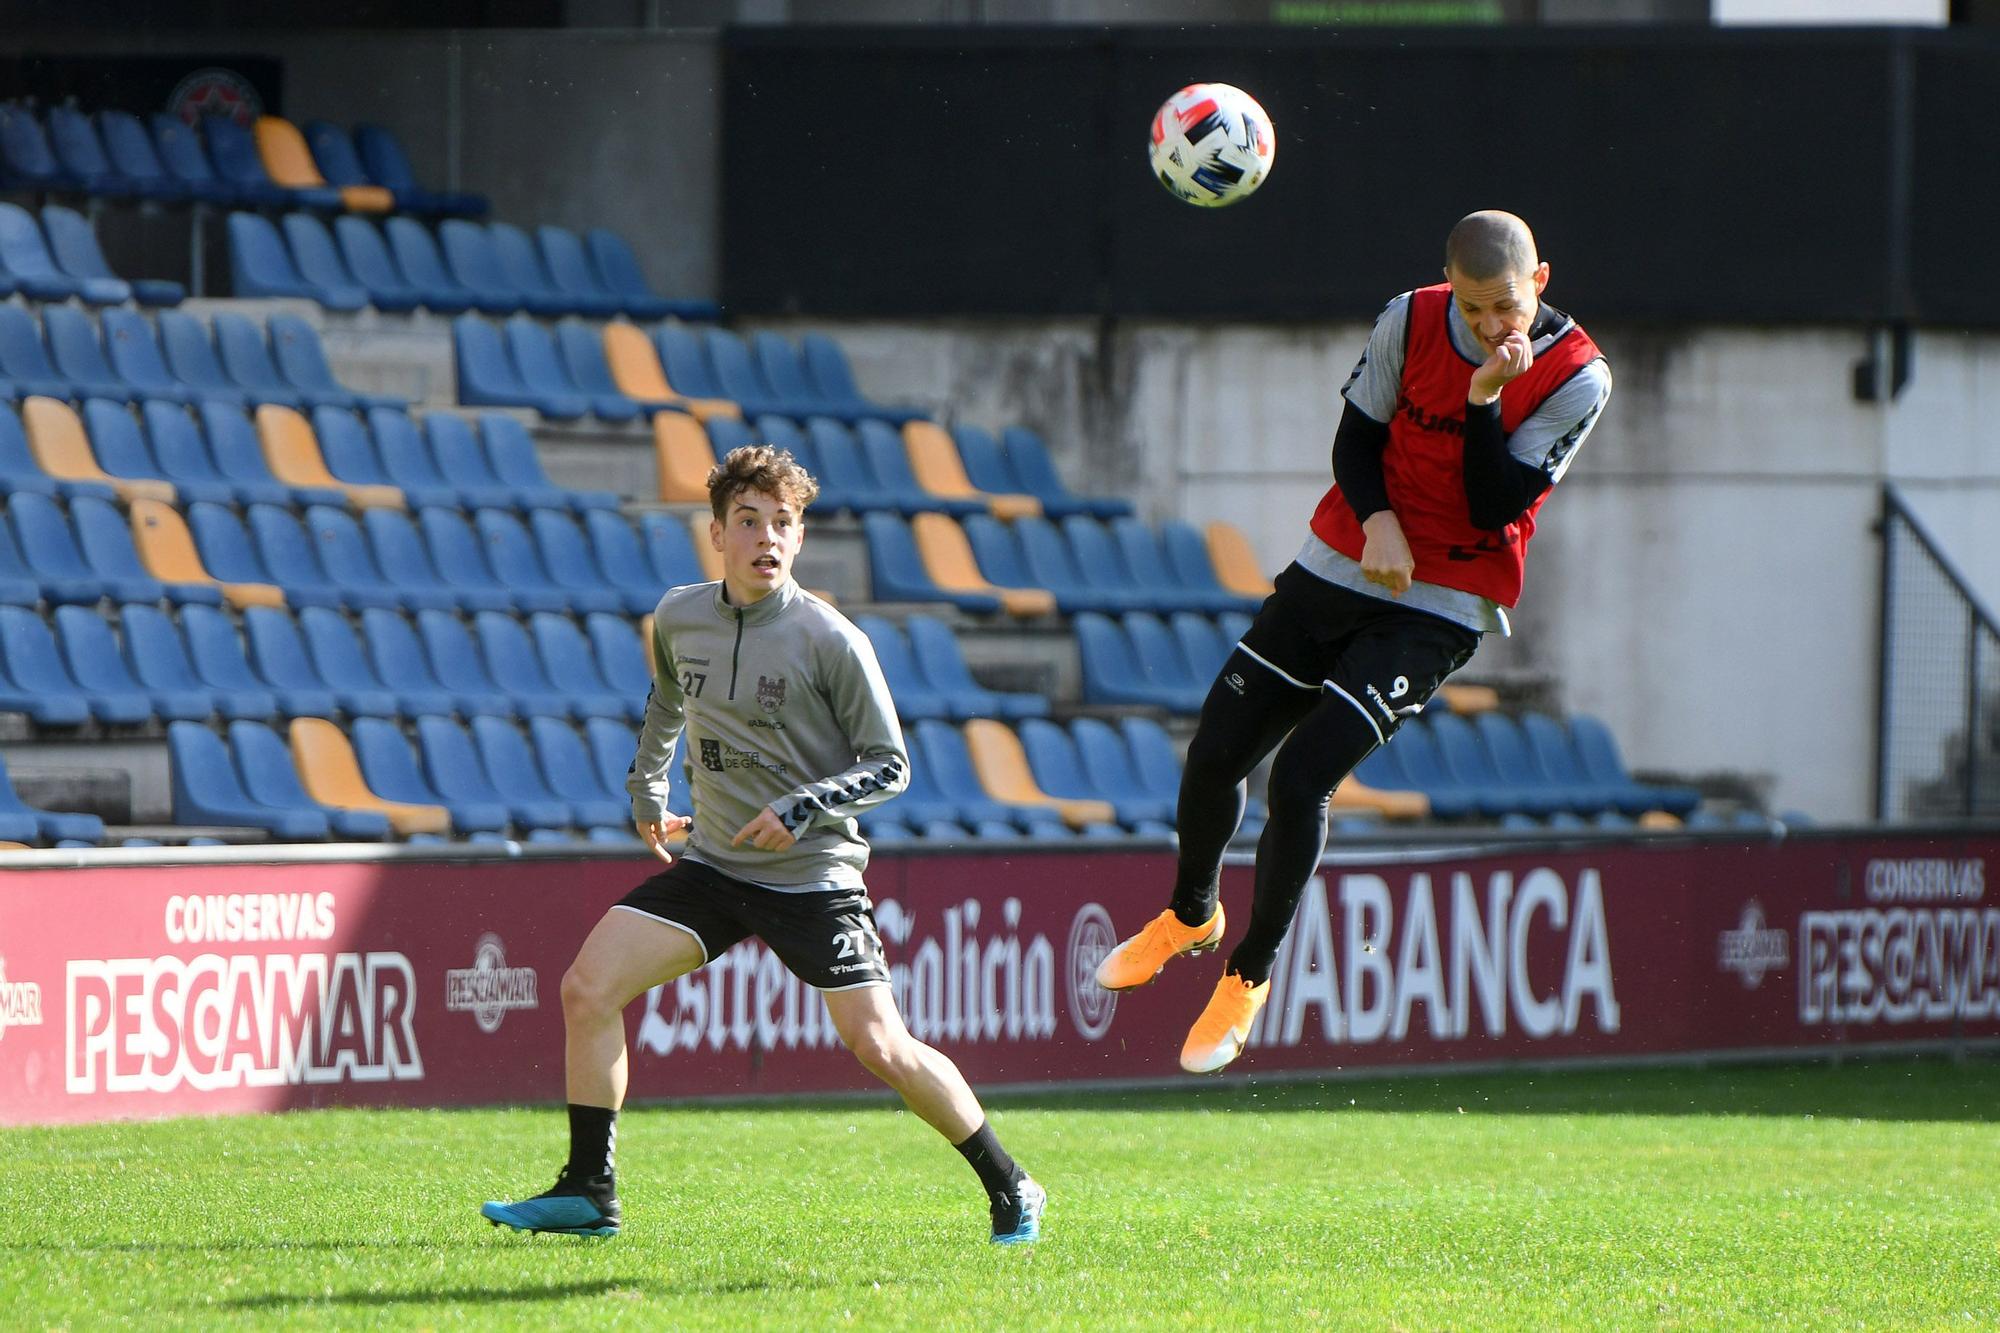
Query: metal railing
{"points": [[1937, 718]]}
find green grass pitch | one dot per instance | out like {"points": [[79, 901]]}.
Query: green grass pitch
{"points": [[1858, 1195]]}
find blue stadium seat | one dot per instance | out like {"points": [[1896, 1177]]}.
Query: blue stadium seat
{"points": [[621, 556], [318, 261], [570, 272], [1161, 658], [896, 571], [460, 557], [216, 650], [1426, 768], [921, 803], [566, 655], [566, 763], [21, 474], [349, 558], [518, 564], [847, 472], [514, 770], [406, 459], [943, 665], [1053, 565], [261, 265], [228, 555], [247, 358], [998, 551], [779, 363], [18, 583], [622, 275], [118, 443], [1146, 556], [269, 774], [582, 349], [620, 655], [421, 265], [90, 650], [24, 254], [1468, 759], [671, 550], [191, 357], [80, 152], [158, 658], [686, 362], [73, 242], [287, 551], [391, 772], [1187, 554], [364, 253], [613, 746], [348, 448], [27, 159], [459, 774], [986, 465], [913, 695], [471, 260], [784, 433], [25, 368], [333, 153], [1028, 459], [826, 366], [515, 665], [1155, 761], [206, 789], [726, 433], [236, 159], [397, 657], [135, 358], [1201, 643], [302, 361], [1597, 754], [338, 657], [488, 376], [461, 668], [523, 270], [278, 652], [45, 701], [566, 553], [397, 544], [1101, 562], [186, 159], [132, 154], [1111, 766], [542, 369], [1113, 674], [1515, 764], [49, 547], [889, 459], [1059, 770], [383, 158], [743, 382], [35, 666], [239, 457], [465, 466], [951, 762], [106, 540]]}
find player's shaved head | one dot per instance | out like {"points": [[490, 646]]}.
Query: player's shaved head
{"points": [[1490, 244]]}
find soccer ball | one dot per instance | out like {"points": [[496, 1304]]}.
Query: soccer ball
{"points": [[1212, 144]]}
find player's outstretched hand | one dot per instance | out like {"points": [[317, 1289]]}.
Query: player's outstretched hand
{"points": [[656, 834], [766, 832], [1513, 356]]}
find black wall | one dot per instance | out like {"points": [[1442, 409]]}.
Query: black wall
{"points": [[1673, 175]]}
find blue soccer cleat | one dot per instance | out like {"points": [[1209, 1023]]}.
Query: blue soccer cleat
{"points": [[1017, 1217], [576, 1206]]}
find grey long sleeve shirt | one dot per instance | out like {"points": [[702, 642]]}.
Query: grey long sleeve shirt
{"points": [[784, 706]]}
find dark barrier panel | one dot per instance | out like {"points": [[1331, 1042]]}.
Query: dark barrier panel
{"points": [[1680, 174], [207, 989]]}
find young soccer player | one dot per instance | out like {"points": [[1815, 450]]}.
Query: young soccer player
{"points": [[1468, 404], [793, 734]]}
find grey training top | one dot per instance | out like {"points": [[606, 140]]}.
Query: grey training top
{"points": [[1548, 440], [784, 706]]}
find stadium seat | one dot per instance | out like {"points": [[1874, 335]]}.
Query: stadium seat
{"points": [[131, 152], [522, 268], [943, 666], [406, 461], [1113, 673], [388, 165], [572, 563], [684, 458], [73, 242], [898, 573], [1113, 770], [191, 358], [19, 585], [1416, 757], [1059, 770], [19, 472], [1002, 765], [25, 257], [234, 151], [1235, 563], [302, 361], [260, 265], [364, 254], [217, 652], [621, 654], [79, 150], [120, 446], [277, 651], [826, 366], [289, 162], [784, 434], [942, 767], [623, 277], [1053, 565], [569, 658], [334, 157], [914, 696], [399, 659], [327, 766], [637, 373], [1597, 754], [348, 449], [582, 349], [780, 368], [35, 667], [79, 357], [158, 659], [1188, 556], [396, 544], [458, 774], [423, 267], [668, 545], [518, 563], [50, 554], [514, 462], [1155, 761], [1468, 759], [1161, 658], [228, 552], [474, 264], [27, 159], [1101, 563], [391, 772], [25, 368], [489, 377], [169, 553], [889, 459], [338, 656], [561, 254], [517, 664], [737, 372], [187, 160], [948, 558], [543, 371], [621, 554], [1028, 459], [935, 463], [986, 465], [516, 772], [206, 789], [612, 748], [572, 776], [135, 358], [1201, 643], [685, 361], [1145, 554], [1517, 766], [293, 453], [842, 468], [235, 444], [460, 558], [247, 359], [458, 665], [108, 547], [46, 702]]}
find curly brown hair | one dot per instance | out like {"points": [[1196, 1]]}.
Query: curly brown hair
{"points": [[759, 467]]}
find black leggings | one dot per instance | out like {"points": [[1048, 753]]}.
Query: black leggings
{"points": [[1329, 736]]}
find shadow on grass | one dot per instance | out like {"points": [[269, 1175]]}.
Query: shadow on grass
{"points": [[489, 1296]]}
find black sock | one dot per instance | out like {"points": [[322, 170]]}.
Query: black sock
{"points": [[997, 1171], [593, 1135]]}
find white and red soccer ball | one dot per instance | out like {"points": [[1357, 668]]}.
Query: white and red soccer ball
{"points": [[1212, 144]]}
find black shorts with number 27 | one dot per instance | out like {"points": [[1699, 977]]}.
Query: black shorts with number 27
{"points": [[826, 937]]}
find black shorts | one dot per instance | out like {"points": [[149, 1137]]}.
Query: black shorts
{"points": [[1384, 658], [826, 937]]}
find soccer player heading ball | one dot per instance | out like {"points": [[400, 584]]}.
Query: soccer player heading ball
{"points": [[1466, 408], [771, 683]]}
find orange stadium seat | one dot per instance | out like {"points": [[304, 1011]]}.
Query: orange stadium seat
{"points": [[635, 369], [685, 458], [168, 550], [1354, 794], [1466, 700], [948, 559], [332, 776], [290, 163], [56, 435], [1235, 563], [1002, 764], [293, 452], [939, 470]]}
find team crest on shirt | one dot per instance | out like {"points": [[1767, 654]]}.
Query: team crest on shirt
{"points": [[771, 693]]}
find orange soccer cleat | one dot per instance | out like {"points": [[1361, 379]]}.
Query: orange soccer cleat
{"points": [[1139, 959], [1218, 1035]]}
